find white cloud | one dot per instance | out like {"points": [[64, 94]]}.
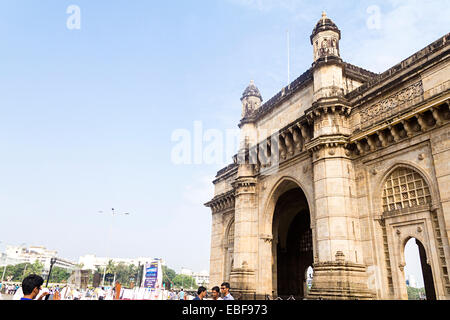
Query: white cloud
{"points": [[199, 192], [267, 5], [405, 29]]}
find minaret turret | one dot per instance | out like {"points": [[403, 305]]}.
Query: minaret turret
{"points": [[327, 65], [325, 39], [251, 99]]}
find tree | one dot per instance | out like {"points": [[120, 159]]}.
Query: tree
{"points": [[184, 281], [124, 273], [110, 267], [414, 293], [19, 271], [36, 268], [59, 275], [168, 276], [9, 272]]}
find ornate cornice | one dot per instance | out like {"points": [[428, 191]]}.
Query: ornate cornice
{"points": [[244, 185], [358, 73], [393, 103], [422, 119], [222, 202]]}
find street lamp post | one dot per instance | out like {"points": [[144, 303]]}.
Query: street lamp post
{"points": [[104, 272], [24, 270], [52, 262], [113, 214], [138, 283], [4, 270], [182, 279]]}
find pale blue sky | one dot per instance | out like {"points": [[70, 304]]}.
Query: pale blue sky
{"points": [[87, 115]]}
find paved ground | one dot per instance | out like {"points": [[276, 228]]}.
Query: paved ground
{"points": [[6, 297]]}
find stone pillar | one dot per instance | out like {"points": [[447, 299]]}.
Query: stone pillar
{"points": [[339, 279], [339, 271], [440, 144], [243, 272], [217, 257]]}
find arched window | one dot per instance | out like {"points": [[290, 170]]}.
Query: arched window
{"points": [[230, 234], [405, 188], [229, 246]]}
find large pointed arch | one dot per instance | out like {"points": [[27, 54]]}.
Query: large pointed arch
{"points": [[288, 223], [282, 185]]}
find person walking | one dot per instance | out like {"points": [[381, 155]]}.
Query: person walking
{"points": [[225, 288], [201, 293], [181, 294]]}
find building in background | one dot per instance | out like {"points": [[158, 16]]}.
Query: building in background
{"points": [[201, 278], [92, 262], [411, 281], [14, 255]]}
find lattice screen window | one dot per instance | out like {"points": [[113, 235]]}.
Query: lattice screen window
{"points": [[230, 236], [306, 241], [405, 188]]}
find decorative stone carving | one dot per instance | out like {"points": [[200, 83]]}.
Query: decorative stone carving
{"points": [[395, 133], [267, 238], [408, 128], [305, 134], [437, 117], [383, 138], [372, 143], [289, 144], [393, 102], [422, 122], [340, 257], [297, 140]]}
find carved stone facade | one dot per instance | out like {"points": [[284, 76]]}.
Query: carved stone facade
{"points": [[337, 172]]}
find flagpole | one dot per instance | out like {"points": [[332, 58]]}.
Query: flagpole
{"points": [[288, 59]]}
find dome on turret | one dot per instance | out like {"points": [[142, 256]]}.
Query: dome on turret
{"points": [[325, 24], [251, 91]]}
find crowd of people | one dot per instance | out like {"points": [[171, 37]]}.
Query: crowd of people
{"points": [[202, 293], [32, 289], [56, 292], [8, 288]]}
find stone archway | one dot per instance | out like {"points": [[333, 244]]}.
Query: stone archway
{"points": [[427, 272], [292, 246]]}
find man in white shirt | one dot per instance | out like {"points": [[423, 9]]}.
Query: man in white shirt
{"points": [[216, 293], [101, 294]]}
